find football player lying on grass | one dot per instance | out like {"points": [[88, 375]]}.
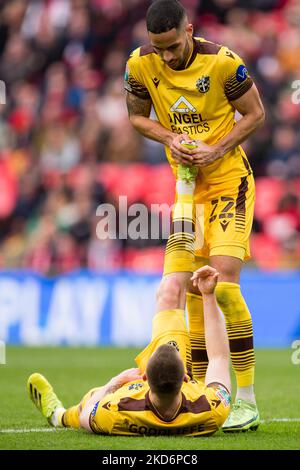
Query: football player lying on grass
{"points": [[160, 397]]}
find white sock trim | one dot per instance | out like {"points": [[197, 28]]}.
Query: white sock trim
{"points": [[183, 187], [56, 417], [246, 393]]}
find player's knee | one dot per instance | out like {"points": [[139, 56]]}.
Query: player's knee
{"points": [[223, 295], [169, 293], [229, 268]]}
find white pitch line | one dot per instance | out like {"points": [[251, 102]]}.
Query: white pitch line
{"points": [[20, 431], [281, 420]]}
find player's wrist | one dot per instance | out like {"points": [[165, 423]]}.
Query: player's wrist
{"points": [[219, 150], [169, 139], [209, 295]]}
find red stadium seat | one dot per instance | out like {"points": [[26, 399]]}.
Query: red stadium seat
{"points": [[108, 173], [268, 193], [125, 180], [161, 186]]}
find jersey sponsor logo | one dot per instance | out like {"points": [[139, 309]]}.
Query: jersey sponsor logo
{"points": [[182, 105], [183, 112], [241, 73], [203, 84], [178, 431], [135, 386]]}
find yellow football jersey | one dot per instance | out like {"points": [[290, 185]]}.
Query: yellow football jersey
{"points": [[129, 411], [195, 100]]}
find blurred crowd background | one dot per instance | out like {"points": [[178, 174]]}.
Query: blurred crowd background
{"points": [[66, 144]]}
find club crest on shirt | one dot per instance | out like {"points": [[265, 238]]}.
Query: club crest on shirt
{"points": [[203, 84], [135, 386], [173, 343]]}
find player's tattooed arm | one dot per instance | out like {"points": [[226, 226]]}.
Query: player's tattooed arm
{"points": [[138, 106], [112, 386], [139, 110], [124, 377]]}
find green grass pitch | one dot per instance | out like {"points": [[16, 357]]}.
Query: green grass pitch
{"points": [[73, 371]]}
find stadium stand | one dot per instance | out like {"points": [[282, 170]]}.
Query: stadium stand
{"points": [[66, 144]]}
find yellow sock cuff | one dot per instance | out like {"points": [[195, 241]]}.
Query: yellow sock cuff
{"points": [[195, 313], [182, 211], [246, 378], [191, 295], [228, 285], [185, 198], [171, 311], [70, 418], [179, 265]]}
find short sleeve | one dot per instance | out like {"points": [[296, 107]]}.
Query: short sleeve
{"points": [[234, 74], [219, 399], [101, 417], [133, 82]]}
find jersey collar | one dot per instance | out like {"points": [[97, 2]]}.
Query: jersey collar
{"points": [[157, 413]]}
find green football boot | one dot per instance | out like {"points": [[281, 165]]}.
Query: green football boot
{"points": [[243, 416], [43, 396]]}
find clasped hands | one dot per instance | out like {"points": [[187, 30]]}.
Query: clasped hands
{"points": [[201, 156]]}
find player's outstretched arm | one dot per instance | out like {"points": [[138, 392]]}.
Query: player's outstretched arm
{"points": [[217, 344], [114, 384]]}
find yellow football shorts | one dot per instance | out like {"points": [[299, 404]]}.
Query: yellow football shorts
{"points": [[168, 328], [224, 216]]}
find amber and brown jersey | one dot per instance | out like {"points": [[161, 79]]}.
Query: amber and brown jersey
{"points": [[129, 411], [195, 100]]}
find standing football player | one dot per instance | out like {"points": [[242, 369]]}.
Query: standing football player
{"points": [[195, 88]]}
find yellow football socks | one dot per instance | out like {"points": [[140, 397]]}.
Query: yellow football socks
{"points": [[180, 250], [197, 335], [70, 418], [239, 329]]}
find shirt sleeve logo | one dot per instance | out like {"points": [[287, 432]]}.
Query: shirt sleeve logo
{"points": [[241, 73], [95, 409], [224, 396]]}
